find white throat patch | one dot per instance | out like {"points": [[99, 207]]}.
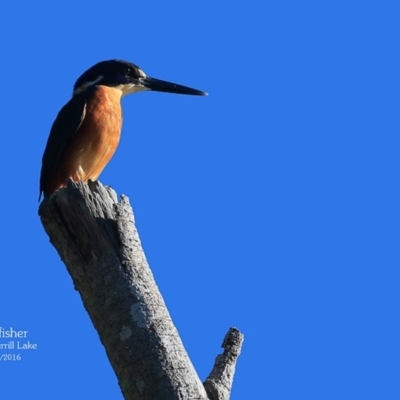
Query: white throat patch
{"points": [[131, 88]]}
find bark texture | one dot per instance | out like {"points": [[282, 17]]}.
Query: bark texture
{"points": [[96, 238]]}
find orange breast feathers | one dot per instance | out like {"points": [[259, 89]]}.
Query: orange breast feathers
{"points": [[96, 140], [98, 136]]}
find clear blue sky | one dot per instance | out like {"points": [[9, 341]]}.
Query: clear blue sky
{"points": [[271, 205]]}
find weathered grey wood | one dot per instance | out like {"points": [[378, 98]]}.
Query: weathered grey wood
{"points": [[219, 383], [96, 238]]}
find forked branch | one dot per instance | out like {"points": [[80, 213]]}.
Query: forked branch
{"points": [[96, 237]]}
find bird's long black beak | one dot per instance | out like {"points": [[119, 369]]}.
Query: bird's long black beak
{"points": [[169, 87]]}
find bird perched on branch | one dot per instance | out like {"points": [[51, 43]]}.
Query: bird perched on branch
{"points": [[87, 129]]}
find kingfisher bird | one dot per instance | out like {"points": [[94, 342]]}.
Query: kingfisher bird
{"points": [[86, 132]]}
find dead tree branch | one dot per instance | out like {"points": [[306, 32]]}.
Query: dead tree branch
{"points": [[96, 237]]}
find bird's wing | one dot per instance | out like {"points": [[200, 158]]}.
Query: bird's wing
{"points": [[67, 123]]}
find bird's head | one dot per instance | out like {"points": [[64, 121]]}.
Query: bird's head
{"points": [[128, 78]]}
